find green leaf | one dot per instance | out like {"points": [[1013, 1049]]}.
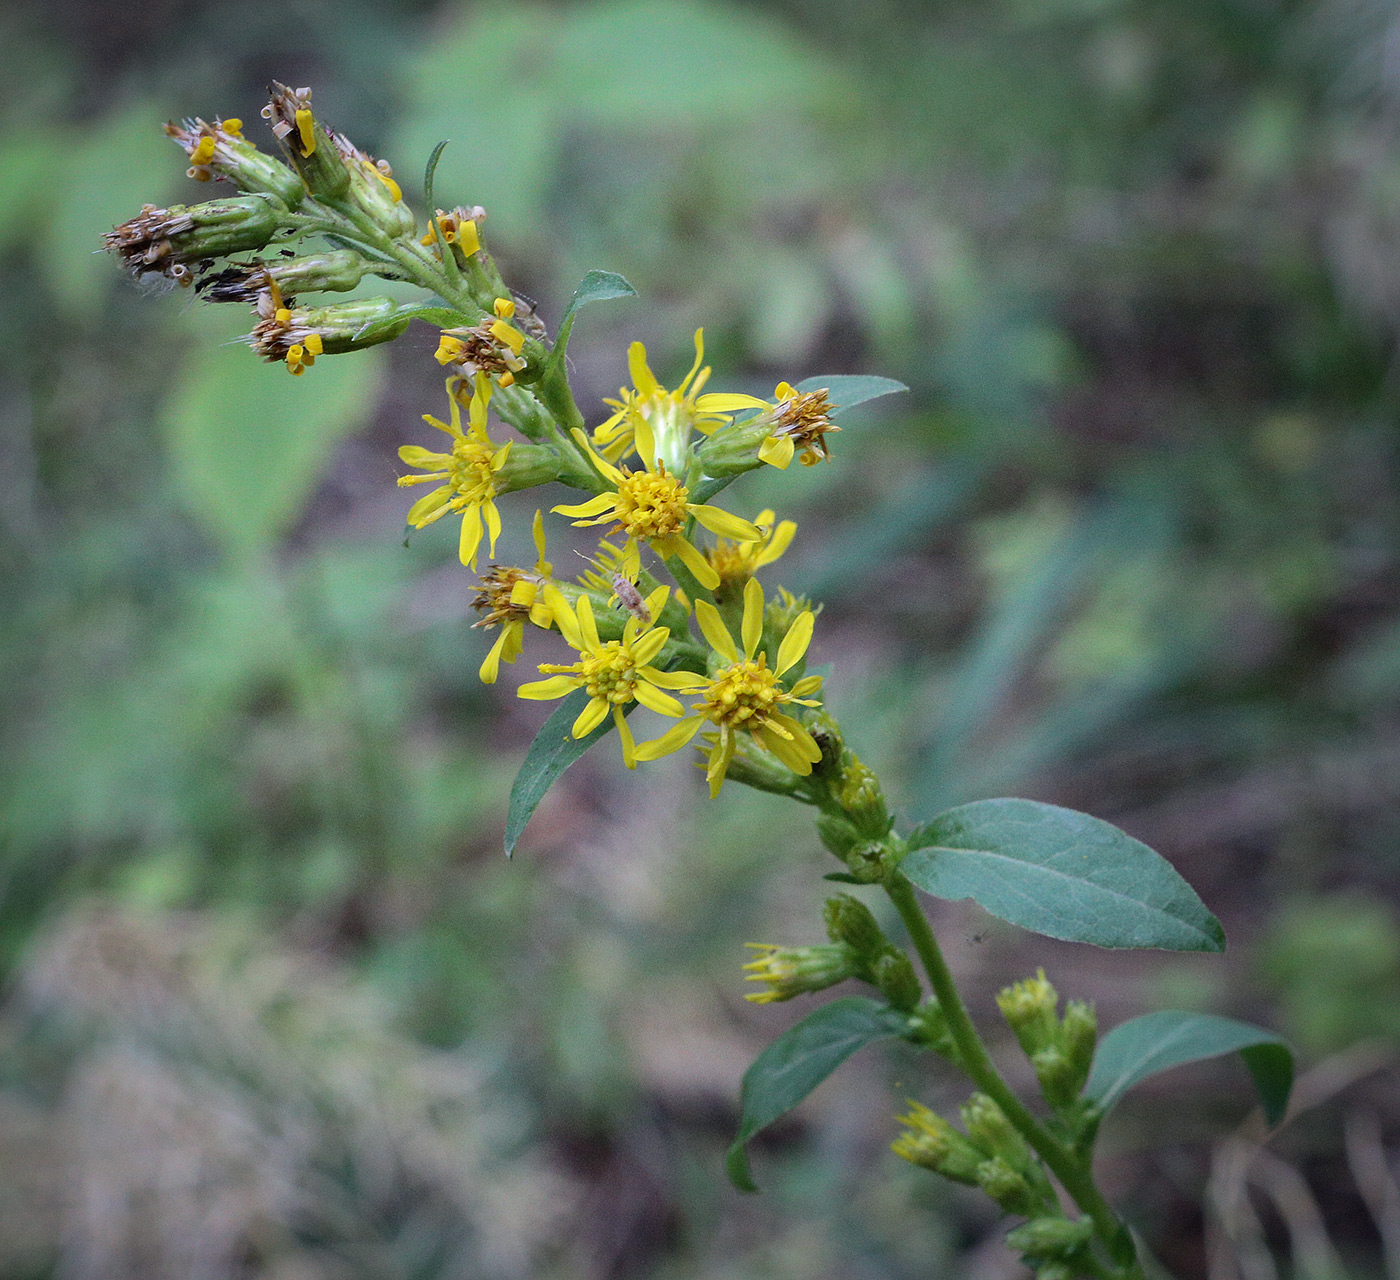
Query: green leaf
{"points": [[429, 173], [1159, 1041], [554, 749], [1060, 873], [798, 1061], [845, 391], [596, 286], [248, 443]]}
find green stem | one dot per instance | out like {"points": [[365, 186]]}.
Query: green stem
{"points": [[1074, 1174]]}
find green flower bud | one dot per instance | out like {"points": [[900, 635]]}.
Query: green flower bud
{"points": [[1029, 1008], [1079, 1033], [734, 449], [373, 189], [898, 983], [929, 1025], [299, 335], [1007, 1187], [306, 143], [220, 150], [988, 1127], [1055, 1237], [826, 733], [337, 271], [931, 1142], [1059, 1080], [859, 795], [168, 240], [794, 971], [527, 466], [837, 834], [850, 921]]}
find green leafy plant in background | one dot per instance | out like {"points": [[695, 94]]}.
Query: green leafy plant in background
{"points": [[670, 619]]}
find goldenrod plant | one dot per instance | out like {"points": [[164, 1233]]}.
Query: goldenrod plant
{"points": [[670, 616]]}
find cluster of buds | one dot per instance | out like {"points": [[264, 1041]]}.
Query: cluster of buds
{"points": [[991, 1154], [1060, 1049]]}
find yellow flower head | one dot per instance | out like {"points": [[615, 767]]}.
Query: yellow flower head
{"points": [[615, 672], [799, 421], [657, 422], [737, 562], [511, 597], [653, 506], [746, 694], [459, 227], [468, 473], [492, 347]]}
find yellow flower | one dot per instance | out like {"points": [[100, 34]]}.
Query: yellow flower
{"points": [[657, 422], [795, 420], [490, 347], [746, 694], [737, 562], [469, 471], [614, 673], [514, 597], [652, 506]]}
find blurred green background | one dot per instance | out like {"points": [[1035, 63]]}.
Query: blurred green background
{"points": [[276, 1006]]}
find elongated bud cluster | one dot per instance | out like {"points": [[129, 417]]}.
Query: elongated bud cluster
{"points": [[793, 971], [373, 189], [298, 335], [168, 241], [930, 1141], [1061, 1051], [220, 150], [991, 1155], [336, 271], [1051, 1238], [306, 143]]}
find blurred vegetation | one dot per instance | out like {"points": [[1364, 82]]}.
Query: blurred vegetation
{"points": [[277, 1006]]}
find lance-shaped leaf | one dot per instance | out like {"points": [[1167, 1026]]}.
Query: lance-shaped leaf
{"points": [[1159, 1041], [798, 1061], [596, 286], [846, 390], [1060, 873], [554, 749], [429, 173]]}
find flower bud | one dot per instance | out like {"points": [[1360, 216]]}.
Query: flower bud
{"points": [[931, 1142], [1029, 1008], [306, 143], [168, 240], [220, 150], [732, 450], [1007, 1187], [794, 971], [373, 189], [1078, 1035], [1055, 1237], [299, 335], [897, 981], [850, 921], [527, 466], [858, 793], [1058, 1078], [337, 271], [989, 1129], [837, 834]]}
